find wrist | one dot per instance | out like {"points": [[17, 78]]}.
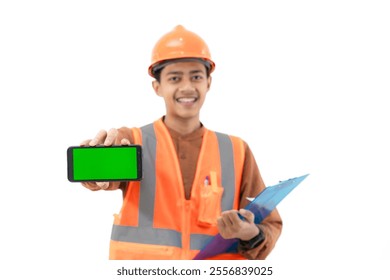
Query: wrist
{"points": [[253, 242], [250, 234]]}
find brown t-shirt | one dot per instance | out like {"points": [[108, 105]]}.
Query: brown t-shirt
{"points": [[187, 149]]}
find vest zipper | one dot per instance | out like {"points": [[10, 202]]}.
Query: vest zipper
{"points": [[186, 222]]}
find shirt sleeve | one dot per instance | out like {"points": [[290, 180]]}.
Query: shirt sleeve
{"points": [[251, 185]]}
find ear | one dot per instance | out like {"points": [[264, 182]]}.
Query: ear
{"points": [[156, 87], [209, 79]]}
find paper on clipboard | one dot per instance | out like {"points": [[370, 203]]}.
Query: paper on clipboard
{"points": [[261, 206]]}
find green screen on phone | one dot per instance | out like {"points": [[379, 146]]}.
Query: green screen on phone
{"points": [[114, 163]]}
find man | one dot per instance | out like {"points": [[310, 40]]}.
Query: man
{"points": [[196, 181]]}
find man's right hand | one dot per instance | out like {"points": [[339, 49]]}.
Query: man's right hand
{"points": [[107, 139]]}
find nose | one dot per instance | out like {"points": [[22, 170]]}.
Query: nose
{"points": [[187, 85]]}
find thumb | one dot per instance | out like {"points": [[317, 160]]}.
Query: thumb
{"points": [[125, 142], [248, 215]]}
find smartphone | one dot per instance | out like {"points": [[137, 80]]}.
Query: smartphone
{"points": [[104, 163]]}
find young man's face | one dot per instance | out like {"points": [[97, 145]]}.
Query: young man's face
{"points": [[183, 85]]}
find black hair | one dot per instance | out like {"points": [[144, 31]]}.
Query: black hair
{"points": [[159, 67]]}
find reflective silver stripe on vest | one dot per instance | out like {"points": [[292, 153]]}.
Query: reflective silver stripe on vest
{"points": [[198, 241], [228, 173], [145, 233], [148, 183]]}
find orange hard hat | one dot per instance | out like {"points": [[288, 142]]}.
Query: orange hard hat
{"points": [[178, 44]]}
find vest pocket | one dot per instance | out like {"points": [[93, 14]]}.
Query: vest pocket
{"points": [[210, 201]]}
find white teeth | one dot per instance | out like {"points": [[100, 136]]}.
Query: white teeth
{"points": [[186, 99]]}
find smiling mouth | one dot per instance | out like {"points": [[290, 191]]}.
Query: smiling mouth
{"points": [[186, 100]]}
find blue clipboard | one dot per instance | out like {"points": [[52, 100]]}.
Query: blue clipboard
{"points": [[261, 206]]}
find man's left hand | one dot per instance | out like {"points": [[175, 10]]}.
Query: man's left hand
{"points": [[230, 225]]}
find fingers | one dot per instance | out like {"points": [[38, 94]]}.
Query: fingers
{"points": [[248, 215], [96, 186], [91, 186], [111, 137], [85, 143], [125, 142], [99, 138], [230, 217], [103, 185], [104, 138], [230, 225]]}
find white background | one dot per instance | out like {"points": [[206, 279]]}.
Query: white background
{"points": [[304, 83]]}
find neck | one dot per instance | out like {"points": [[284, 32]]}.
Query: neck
{"points": [[182, 126]]}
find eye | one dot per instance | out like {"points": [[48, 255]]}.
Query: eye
{"points": [[197, 77], [174, 79]]}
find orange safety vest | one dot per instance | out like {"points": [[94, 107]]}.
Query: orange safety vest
{"points": [[156, 220]]}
